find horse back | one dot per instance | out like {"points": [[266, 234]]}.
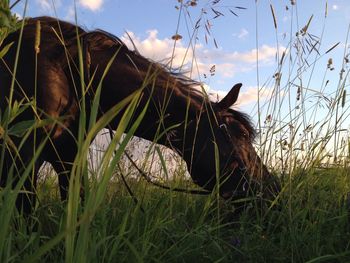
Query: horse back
{"points": [[46, 72]]}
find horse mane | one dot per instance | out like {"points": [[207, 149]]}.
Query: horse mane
{"points": [[186, 85]]}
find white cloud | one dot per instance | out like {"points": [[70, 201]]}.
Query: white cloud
{"points": [[227, 70], [252, 94], [161, 50], [243, 34], [266, 54], [93, 5], [48, 5], [247, 96], [227, 64], [44, 5]]}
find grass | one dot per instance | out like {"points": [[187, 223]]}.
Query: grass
{"points": [[311, 225], [311, 222]]}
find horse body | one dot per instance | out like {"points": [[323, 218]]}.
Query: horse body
{"points": [[198, 124]]}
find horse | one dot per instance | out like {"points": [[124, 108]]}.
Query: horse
{"points": [[215, 141]]}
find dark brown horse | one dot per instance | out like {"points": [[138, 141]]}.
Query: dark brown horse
{"points": [[50, 73]]}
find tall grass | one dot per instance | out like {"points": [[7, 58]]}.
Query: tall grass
{"points": [[310, 224], [306, 125]]}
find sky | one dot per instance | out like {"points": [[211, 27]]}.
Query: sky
{"points": [[223, 49], [223, 42]]}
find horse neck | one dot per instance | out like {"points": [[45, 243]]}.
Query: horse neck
{"points": [[188, 135], [168, 125], [169, 100]]}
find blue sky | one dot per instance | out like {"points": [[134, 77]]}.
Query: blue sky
{"points": [[310, 64], [152, 24]]}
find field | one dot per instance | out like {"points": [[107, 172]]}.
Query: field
{"points": [[124, 218], [309, 224]]}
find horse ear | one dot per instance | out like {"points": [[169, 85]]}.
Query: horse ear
{"points": [[230, 98]]}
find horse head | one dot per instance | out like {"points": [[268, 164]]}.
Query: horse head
{"points": [[224, 155]]}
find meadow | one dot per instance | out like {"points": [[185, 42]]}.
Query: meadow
{"points": [[309, 221], [310, 224]]}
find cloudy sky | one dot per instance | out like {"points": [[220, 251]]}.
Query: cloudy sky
{"points": [[223, 50]]}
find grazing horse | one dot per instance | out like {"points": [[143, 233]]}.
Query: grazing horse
{"points": [[214, 140]]}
